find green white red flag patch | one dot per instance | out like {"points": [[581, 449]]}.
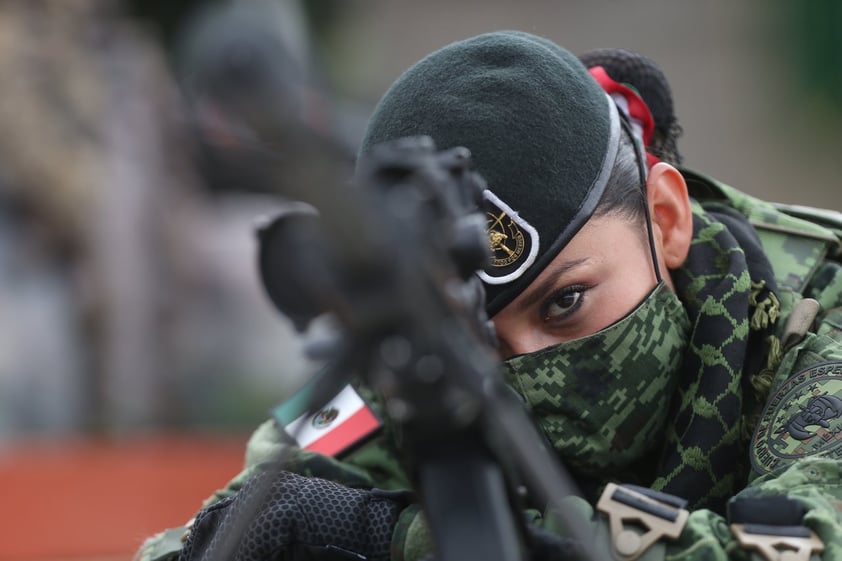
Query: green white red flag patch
{"points": [[340, 424]]}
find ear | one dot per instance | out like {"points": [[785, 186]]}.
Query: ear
{"points": [[669, 207]]}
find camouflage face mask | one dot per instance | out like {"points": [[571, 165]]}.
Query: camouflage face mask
{"points": [[602, 400]]}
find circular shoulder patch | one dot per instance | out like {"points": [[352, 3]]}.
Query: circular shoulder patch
{"points": [[803, 417]]}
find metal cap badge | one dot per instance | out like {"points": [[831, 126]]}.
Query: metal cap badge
{"points": [[512, 240]]}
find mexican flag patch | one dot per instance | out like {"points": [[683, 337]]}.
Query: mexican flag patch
{"points": [[343, 422]]}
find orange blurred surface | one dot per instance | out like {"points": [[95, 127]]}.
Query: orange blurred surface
{"points": [[86, 500]]}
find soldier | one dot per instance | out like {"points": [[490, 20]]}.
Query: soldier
{"points": [[663, 329]]}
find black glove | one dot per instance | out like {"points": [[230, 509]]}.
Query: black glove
{"points": [[284, 516]]}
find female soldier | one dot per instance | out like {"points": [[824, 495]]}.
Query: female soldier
{"points": [[644, 328]]}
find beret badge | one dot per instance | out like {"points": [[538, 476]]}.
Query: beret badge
{"points": [[512, 240]]}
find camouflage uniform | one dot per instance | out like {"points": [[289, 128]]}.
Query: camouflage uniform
{"points": [[803, 366]]}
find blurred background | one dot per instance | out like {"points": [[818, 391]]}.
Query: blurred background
{"points": [[137, 349]]}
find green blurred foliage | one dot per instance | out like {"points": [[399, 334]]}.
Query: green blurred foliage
{"points": [[813, 34]]}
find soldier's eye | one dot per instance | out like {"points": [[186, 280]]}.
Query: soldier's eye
{"points": [[563, 303]]}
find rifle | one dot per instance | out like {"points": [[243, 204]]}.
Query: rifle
{"points": [[391, 257]]}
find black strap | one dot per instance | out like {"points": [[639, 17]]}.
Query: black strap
{"points": [[769, 511]]}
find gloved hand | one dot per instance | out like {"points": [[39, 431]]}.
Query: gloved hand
{"points": [[284, 516]]}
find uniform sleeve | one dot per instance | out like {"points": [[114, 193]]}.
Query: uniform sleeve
{"points": [[814, 483], [268, 444]]}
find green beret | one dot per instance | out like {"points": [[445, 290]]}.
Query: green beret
{"points": [[541, 132]]}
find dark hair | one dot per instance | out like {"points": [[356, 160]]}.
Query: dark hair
{"points": [[625, 192], [648, 79]]}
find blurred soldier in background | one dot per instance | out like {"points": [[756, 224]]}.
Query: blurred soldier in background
{"points": [[126, 257], [90, 178]]}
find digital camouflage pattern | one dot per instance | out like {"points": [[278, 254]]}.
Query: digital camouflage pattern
{"points": [[602, 400], [708, 537], [803, 417], [604, 387], [805, 251], [805, 259]]}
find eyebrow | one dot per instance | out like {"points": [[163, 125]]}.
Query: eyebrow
{"points": [[538, 292]]}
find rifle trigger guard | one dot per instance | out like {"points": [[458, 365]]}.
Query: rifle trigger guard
{"points": [[661, 515]]}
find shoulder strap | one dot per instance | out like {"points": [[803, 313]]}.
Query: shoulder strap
{"points": [[830, 219], [797, 239]]}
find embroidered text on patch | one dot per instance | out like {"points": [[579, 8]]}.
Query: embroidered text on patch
{"points": [[802, 418], [512, 240]]}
